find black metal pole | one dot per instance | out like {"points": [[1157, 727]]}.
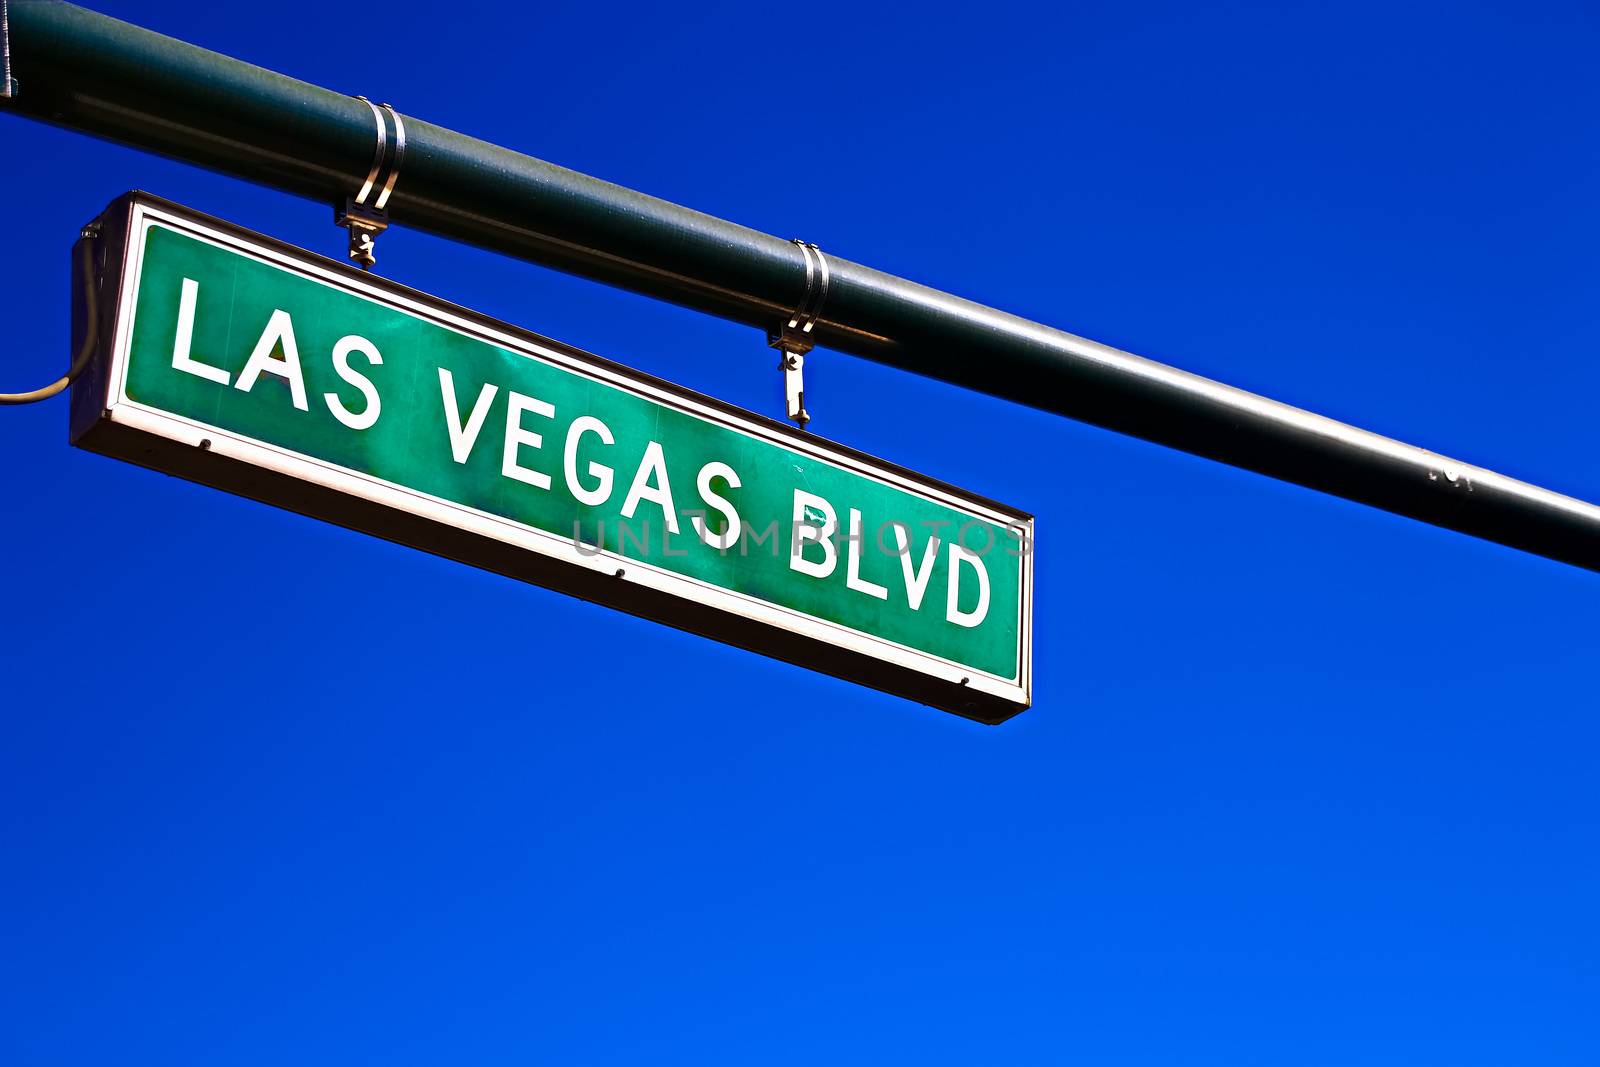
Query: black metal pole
{"points": [[97, 75]]}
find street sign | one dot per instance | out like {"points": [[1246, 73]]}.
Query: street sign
{"points": [[240, 362]]}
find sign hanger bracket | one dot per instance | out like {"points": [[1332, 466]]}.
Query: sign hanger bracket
{"points": [[364, 215], [793, 338]]}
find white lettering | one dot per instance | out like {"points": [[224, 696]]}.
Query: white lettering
{"points": [[516, 437], [805, 530], [852, 570], [463, 438], [730, 535], [952, 611], [185, 338], [341, 367], [916, 580], [602, 491], [653, 463], [279, 333]]}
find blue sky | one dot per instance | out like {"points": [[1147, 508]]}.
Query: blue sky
{"points": [[1304, 783]]}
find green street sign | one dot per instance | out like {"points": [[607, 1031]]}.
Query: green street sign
{"points": [[235, 360]]}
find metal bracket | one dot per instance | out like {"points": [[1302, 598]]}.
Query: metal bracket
{"points": [[364, 215], [8, 84], [793, 339]]}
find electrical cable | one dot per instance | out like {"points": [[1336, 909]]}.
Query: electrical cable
{"points": [[90, 335]]}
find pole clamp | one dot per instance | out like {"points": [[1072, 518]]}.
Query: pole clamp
{"points": [[793, 338], [364, 215], [8, 84]]}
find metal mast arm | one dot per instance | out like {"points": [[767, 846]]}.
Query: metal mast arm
{"points": [[87, 72]]}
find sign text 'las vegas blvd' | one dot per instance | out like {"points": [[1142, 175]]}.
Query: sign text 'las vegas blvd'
{"points": [[237, 361]]}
